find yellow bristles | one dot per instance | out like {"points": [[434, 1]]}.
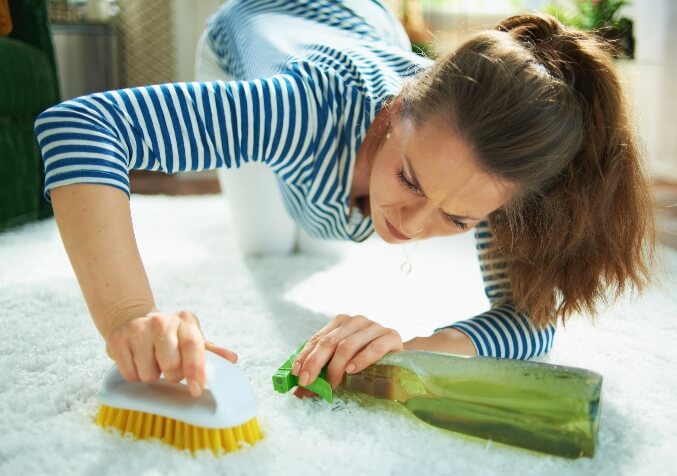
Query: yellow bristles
{"points": [[179, 434]]}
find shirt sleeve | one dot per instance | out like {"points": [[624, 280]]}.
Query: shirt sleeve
{"points": [[501, 331], [182, 127]]}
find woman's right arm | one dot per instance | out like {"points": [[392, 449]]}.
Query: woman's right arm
{"points": [[96, 228], [94, 140]]}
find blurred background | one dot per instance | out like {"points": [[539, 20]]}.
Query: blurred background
{"points": [[85, 46]]}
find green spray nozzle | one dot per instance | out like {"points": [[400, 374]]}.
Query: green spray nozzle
{"points": [[284, 381]]}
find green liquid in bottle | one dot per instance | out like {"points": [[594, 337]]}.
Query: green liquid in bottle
{"points": [[547, 408]]}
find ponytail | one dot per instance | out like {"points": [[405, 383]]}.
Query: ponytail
{"points": [[586, 236]]}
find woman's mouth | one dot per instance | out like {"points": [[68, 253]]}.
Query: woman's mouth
{"points": [[395, 232]]}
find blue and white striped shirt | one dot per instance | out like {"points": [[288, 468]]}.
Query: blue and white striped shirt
{"points": [[312, 75]]}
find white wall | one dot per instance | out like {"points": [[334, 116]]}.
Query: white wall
{"points": [[652, 82], [667, 118], [189, 18]]}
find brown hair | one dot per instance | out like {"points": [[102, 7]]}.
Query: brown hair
{"points": [[543, 108]]}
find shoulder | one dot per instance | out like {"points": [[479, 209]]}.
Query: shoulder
{"points": [[318, 76], [327, 87], [371, 70]]}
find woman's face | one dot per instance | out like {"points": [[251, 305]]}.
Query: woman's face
{"points": [[425, 182]]}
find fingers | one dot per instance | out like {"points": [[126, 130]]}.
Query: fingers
{"points": [[310, 345], [192, 348], [388, 341], [164, 329], [171, 345], [142, 350], [302, 393], [347, 344], [122, 355], [221, 351], [321, 346], [348, 348]]}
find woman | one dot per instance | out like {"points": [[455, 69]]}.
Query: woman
{"points": [[521, 134]]}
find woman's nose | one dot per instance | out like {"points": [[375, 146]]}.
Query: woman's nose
{"points": [[413, 222]]}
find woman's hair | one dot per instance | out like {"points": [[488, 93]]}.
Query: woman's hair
{"points": [[542, 108]]}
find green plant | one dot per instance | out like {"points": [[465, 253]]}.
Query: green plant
{"points": [[591, 14]]}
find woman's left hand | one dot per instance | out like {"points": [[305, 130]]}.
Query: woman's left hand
{"points": [[350, 344]]}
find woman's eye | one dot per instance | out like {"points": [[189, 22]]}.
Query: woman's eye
{"points": [[457, 223], [414, 188], [406, 182]]}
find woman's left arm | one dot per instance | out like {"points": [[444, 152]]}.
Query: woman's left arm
{"points": [[499, 332], [350, 344]]}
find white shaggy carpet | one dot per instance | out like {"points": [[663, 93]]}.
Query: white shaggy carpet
{"points": [[52, 359]]}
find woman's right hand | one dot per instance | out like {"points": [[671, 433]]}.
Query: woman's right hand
{"points": [[171, 344]]}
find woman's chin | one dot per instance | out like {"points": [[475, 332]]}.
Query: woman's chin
{"points": [[385, 235]]}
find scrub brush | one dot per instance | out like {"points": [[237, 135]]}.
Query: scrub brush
{"points": [[222, 419]]}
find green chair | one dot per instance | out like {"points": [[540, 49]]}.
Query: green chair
{"points": [[28, 86]]}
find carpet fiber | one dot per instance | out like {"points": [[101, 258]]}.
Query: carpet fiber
{"points": [[52, 359]]}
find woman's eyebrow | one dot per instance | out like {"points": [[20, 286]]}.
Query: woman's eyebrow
{"points": [[407, 162]]}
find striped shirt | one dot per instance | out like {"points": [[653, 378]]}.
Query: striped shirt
{"points": [[312, 75]]}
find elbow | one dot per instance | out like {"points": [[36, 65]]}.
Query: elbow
{"points": [[503, 333]]}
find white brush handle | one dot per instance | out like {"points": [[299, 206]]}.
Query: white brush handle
{"points": [[227, 400]]}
